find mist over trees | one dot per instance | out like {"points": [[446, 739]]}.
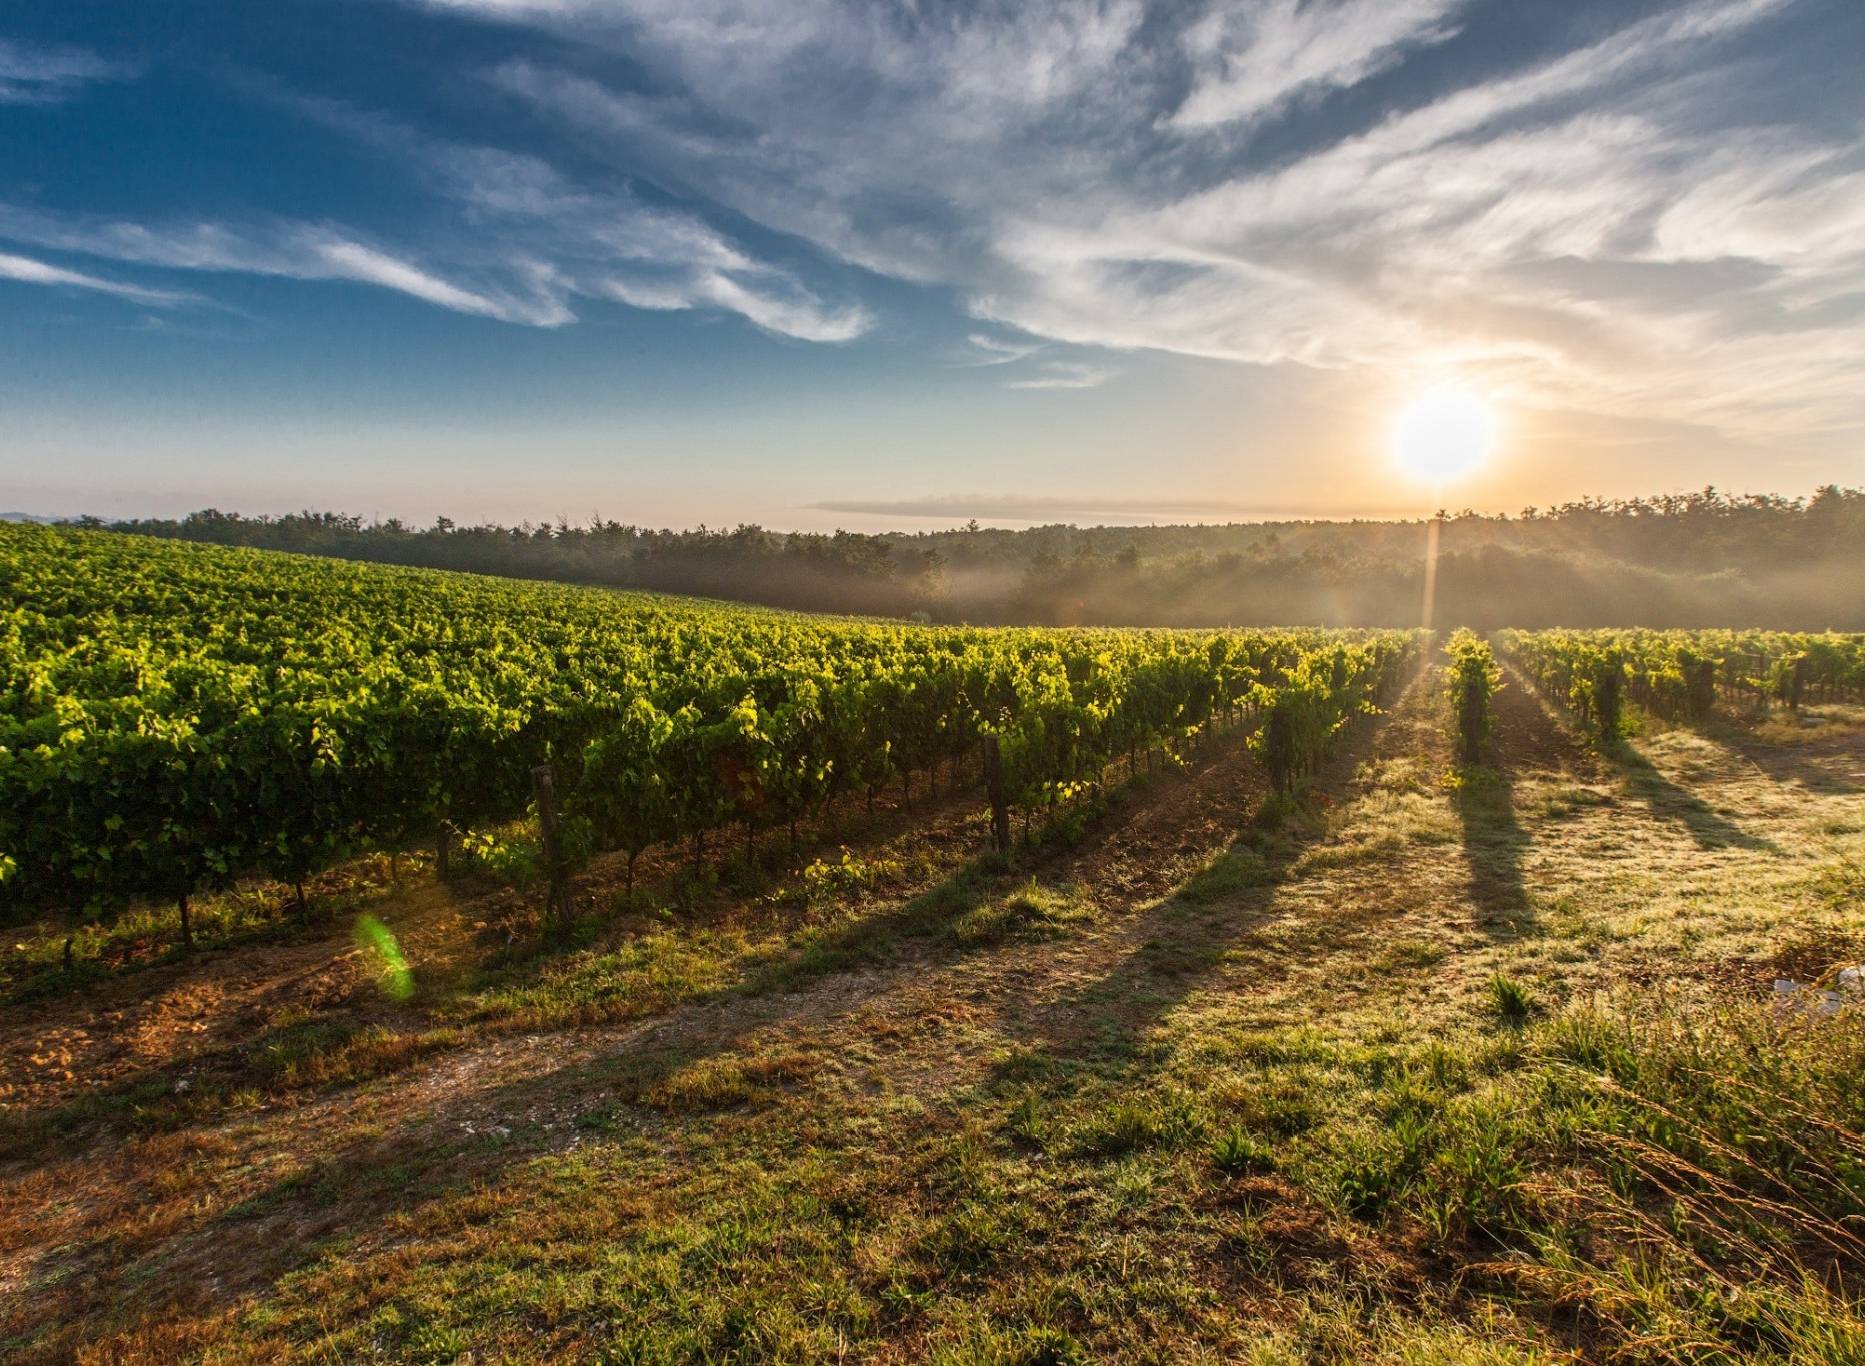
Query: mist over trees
{"points": [[1696, 559]]}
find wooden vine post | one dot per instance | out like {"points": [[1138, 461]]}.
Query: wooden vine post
{"points": [[994, 782], [544, 785]]}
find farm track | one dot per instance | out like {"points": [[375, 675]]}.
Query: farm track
{"points": [[1404, 888]]}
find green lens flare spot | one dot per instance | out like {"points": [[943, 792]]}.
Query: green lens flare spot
{"points": [[376, 940]]}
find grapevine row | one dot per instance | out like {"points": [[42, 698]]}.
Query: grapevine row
{"points": [[1472, 680], [1685, 676], [176, 716]]}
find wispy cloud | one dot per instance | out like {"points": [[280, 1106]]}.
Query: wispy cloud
{"points": [[1556, 223], [1587, 213], [1060, 374], [802, 317], [1252, 60], [297, 251], [556, 240], [989, 350], [347, 260], [45, 75], [28, 271], [570, 244]]}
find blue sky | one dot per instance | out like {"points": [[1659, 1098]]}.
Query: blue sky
{"points": [[821, 262]]}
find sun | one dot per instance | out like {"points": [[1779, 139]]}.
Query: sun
{"points": [[1444, 435]]}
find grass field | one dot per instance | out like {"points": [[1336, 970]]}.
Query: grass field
{"points": [[1439, 1065]]}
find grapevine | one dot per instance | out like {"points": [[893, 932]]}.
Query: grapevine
{"points": [[175, 716]]}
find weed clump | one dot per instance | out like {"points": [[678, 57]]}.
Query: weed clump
{"points": [[1238, 1151], [1513, 1002]]}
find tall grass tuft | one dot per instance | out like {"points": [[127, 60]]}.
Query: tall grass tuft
{"points": [[1514, 1002], [1711, 1202]]}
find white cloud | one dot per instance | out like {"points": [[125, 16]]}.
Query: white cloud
{"points": [[1558, 227], [1086, 172], [550, 242], [347, 260], [292, 250], [794, 313], [989, 350], [527, 241], [799, 316], [1059, 374], [28, 271], [658, 296], [1252, 60], [568, 240], [45, 75], [1763, 201]]}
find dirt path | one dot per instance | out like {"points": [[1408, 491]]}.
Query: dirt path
{"points": [[182, 1010], [166, 1014]]}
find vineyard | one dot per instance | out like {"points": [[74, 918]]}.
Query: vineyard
{"points": [[179, 717], [472, 969], [1686, 676]]}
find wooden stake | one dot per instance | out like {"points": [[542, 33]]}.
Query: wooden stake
{"points": [[994, 782], [544, 786]]}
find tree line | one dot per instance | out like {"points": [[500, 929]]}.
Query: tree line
{"points": [[1698, 559]]}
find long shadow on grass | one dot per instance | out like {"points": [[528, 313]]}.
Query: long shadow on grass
{"points": [[691, 1055], [1493, 843], [688, 1058], [1185, 937], [1668, 801], [470, 1136], [152, 1099], [1826, 765]]}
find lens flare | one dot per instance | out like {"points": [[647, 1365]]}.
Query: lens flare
{"points": [[378, 942]]}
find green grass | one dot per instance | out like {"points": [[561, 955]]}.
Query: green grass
{"points": [[1513, 1001], [1623, 1164], [1030, 911]]}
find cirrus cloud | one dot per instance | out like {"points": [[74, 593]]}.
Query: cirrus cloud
{"points": [[26, 270], [1559, 222], [32, 74]]}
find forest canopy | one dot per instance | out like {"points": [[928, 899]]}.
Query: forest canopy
{"points": [[1696, 559]]}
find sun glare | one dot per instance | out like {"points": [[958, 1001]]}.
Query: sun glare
{"points": [[1444, 435]]}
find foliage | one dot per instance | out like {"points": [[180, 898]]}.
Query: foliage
{"points": [[1682, 675], [1514, 1002], [176, 716], [1473, 680], [1692, 559]]}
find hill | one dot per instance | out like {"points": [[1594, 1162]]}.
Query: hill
{"points": [[414, 965]]}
